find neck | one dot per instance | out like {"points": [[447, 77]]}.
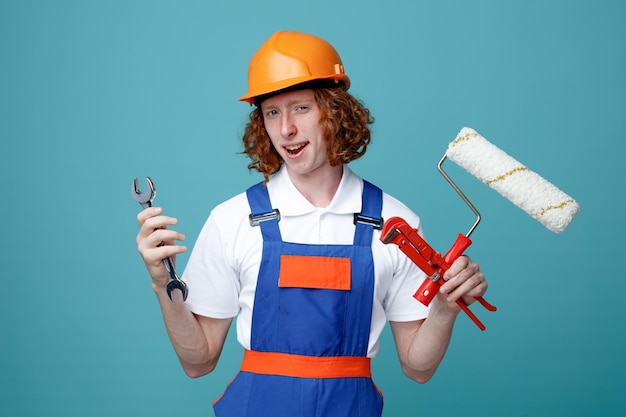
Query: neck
{"points": [[319, 188]]}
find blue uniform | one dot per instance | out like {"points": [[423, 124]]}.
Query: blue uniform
{"points": [[310, 325]]}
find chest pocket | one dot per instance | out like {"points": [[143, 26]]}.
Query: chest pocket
{"points": [[315, 272]]}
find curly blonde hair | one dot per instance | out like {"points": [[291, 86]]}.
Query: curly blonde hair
{"points": [[344, 121]]}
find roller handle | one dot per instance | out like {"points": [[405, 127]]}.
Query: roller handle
{"points": [[429, 288]]}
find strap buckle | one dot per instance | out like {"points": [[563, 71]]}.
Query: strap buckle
{"points": [[372, 221], [255, 220]]}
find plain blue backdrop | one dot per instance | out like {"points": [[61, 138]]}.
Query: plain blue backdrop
{"points": [[93, 94]]}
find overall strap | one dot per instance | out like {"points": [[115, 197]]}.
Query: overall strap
{"points": [[370, 216], [262, 214]]}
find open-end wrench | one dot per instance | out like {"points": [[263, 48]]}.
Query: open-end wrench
{"points": [[145, 199]]}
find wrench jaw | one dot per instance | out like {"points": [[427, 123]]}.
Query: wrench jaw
{"points": [[174, 282], [177, 285], [144, 198]]}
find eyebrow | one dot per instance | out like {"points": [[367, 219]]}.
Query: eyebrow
{"points": [[291, 103]]}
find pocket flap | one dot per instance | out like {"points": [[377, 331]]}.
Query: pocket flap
{"points": [[314, 272]]}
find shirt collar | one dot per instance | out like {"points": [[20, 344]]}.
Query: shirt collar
{"points": [[288, 200]]}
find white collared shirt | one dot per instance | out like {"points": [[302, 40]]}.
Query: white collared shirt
{"points": [[224, 264]]}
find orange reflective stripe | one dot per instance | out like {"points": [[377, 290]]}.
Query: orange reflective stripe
{"points": [[300, 366], [314, 272]]}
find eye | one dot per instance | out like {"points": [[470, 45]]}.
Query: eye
{"points": [[271, 113]]}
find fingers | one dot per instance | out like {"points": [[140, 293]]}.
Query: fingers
{"points": [[155, 241], [159, 238], [153, 257], [147, 213], [463, 279], [151, 220]]}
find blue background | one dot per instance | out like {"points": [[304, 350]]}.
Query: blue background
{"points": [[93, 94]]}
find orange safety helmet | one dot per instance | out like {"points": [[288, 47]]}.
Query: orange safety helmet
{"points": [[288, 59]]}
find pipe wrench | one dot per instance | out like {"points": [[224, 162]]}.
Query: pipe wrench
{"points": [[396, 230]]}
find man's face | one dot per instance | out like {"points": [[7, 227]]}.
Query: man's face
{"points": [[292, 123]]}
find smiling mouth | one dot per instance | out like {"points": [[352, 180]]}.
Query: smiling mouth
{"points": [[295, 149]]}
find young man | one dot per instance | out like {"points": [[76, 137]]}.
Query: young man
{"points": [[297, 261]]}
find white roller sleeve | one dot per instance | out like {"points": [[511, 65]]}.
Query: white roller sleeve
{"points": [[523, 187]]}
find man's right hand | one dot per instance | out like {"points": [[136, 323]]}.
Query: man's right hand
{"points": [[156, 242]]}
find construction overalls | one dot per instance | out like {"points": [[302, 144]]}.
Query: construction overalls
{"points": [[310, 324]]}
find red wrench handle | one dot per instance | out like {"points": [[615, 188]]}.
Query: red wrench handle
{"points": [[470, 314], [429, 287], [462, 243]]}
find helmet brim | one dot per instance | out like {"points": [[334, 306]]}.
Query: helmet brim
{"points": [[258, 95]]}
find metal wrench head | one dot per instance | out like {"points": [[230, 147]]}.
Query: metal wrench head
{"points": [[144, 198], [174, 282], [177, 284]]}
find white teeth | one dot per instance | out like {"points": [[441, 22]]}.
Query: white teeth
{"points": [[293, 147]]}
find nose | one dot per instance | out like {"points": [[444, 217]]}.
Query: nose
{"points": [[287, 127]]}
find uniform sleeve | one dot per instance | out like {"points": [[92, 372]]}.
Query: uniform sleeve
{"points": [[213, 281]]}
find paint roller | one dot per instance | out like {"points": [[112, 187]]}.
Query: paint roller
{"points": [[514, 181]]}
